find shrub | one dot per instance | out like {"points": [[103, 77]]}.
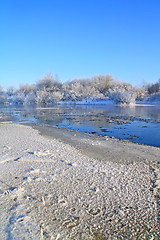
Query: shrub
{"points": [[125, 97]]}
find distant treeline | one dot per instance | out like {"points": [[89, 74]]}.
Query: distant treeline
{"points": [[49, 89]]}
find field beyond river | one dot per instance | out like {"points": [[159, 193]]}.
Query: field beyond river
{"points": [[64, 184]]}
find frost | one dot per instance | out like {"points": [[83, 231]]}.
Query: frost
{"points": [[100, 89]]}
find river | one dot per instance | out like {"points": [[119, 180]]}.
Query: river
{"points": [[140, 124]]}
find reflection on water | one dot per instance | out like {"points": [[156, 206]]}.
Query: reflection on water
{"points": [[139, 124]]}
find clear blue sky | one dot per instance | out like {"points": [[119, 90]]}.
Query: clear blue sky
{"points": [[79, 38]]}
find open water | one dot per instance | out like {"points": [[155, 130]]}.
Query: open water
{"points": [[140, 124]]}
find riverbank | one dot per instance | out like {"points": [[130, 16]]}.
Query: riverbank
{"points": [[63, 184]]}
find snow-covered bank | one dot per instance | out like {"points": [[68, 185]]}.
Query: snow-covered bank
{"points": [[53, 190], [151, 100], [119, 100]]}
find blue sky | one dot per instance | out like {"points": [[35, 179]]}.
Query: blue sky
{"points": [[79, 38]]}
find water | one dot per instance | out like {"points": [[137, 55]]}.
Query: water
{"points": [[140, 124]]}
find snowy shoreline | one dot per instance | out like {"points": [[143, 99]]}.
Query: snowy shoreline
{"points": [[69, 185]]}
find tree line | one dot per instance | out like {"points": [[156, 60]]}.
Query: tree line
{"points": [[49, 89]]}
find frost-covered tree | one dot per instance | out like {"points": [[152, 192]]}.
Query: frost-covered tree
{"points": [[103, 83], [2, 96], [140, 92], [49, 89], [122, 92], [26, 88], [125, 97], [24, 95], [49, 83], [10, 91], [80, 89]]}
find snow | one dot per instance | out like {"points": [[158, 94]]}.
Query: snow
{"points": [[51, 190]]}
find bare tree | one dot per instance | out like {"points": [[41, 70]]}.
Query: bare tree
{"points": [[49, 83], [103, 83], [26, 88], [10, 91]]}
